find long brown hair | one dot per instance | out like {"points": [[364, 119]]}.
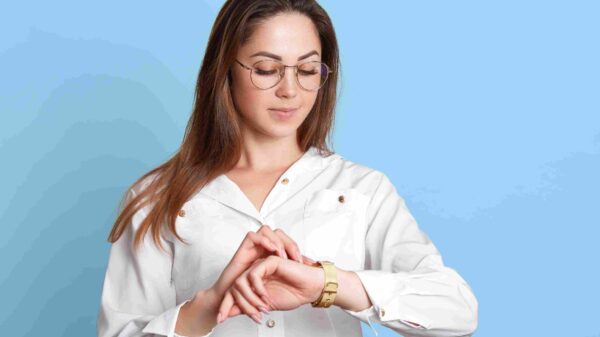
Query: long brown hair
{"points": [[212, 141]]}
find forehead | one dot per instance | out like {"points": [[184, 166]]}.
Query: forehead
{"points": [[289, 35]]}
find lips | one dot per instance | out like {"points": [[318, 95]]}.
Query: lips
{"points": [[283, 114], [284, 109]]}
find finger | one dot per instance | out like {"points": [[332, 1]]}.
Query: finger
{"points": [[262, 241], [290, 245], [252, 240], [243, 286], [235, 310], [258, 284], [267, 267], [308, 261], [268, 232], [224, 308], [246, 307], [242, 258]]}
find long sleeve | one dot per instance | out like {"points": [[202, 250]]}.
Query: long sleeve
{"points": [[412, 291], [138, 297]]}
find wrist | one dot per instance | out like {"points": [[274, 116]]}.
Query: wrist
{"points": [[317, 286], [351, 292], [342, 282], [199, 315], [210, 298]]}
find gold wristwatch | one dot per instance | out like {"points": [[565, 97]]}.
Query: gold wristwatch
{"points": [[327, 296]]}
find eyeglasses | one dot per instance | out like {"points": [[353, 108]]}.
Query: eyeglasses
{"points": [[266, 74]]}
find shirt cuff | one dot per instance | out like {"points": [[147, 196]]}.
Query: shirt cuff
{"points": [[365, 316], [384, 289], [164, 324]]}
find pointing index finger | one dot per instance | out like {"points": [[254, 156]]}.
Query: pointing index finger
{"points": [[290, 245]]}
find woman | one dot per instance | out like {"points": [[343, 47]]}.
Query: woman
{"points": [[222, 239]]}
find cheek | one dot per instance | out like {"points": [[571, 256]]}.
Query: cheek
{"points": [[311, 98], [309, 101], [247, 100], [250, 102]]}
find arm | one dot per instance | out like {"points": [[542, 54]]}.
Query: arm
{"points": [[198, 317], [138, 297], [411, 290], [351, 295]]}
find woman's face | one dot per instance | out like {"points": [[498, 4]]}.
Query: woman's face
{"points": [[287, 36]]}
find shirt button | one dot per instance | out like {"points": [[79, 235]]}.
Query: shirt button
{"points": [[382, 311], [181, 213], [270, 323], [341, 199], [285, 181]]}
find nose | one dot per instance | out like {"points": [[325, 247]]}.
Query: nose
{"points": [[288, 86]]}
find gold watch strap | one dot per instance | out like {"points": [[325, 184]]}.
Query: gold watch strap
{"points": [[331, 284]]}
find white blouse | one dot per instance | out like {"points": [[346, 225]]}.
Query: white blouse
{"points": [[370, 231]]}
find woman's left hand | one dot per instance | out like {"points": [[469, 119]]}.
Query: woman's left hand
{"points": [[284, 284]]}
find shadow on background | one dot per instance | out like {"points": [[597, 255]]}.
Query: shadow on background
{"points": [[90, 138]]}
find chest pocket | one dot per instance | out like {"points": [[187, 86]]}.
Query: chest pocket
{"points": [[334, 227]]}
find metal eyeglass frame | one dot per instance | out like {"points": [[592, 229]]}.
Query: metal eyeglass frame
{"points": [[282, 73]]}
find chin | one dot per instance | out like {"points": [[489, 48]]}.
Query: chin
{"points": [[281, 131]]}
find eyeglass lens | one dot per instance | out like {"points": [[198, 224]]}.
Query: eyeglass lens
{"points": [[311, 75]]}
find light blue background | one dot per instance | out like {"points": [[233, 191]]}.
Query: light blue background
{"points": [[485, 115]]}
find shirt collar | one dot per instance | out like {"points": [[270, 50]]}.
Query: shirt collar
{"points": [[225, 191]]}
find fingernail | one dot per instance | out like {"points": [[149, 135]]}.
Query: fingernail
{"points": [[263, 309], [256, 318]]}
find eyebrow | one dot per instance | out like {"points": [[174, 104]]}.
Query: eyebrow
{"points": [[277, 57]]}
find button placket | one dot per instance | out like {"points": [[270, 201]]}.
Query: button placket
{"points": [[278, 193]]}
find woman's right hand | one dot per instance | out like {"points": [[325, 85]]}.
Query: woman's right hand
{"points": [[255, 246]]}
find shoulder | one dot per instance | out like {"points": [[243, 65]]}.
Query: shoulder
{"points": [[135, 189], [141, 184]]}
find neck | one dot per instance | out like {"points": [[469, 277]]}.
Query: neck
{"points": [[268, 156]]}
